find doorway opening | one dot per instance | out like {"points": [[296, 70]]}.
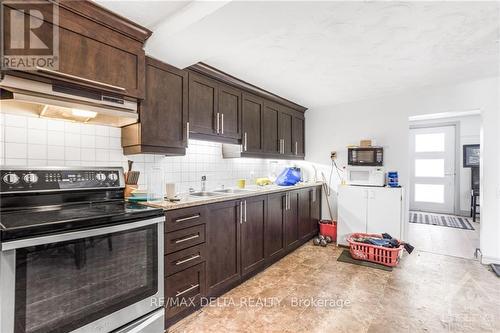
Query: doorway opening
{"points": [[444, 187]]}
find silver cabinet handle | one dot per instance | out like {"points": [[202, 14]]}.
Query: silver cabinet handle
{"points": [[187, 133], [78, 78], [241, 212], [218, 123], [245, 141], [296, 148], [181, 240], [286, 201], [245, 218], [193, 286], [180, 262], [187, 218], [222, 123], [313, 195]]}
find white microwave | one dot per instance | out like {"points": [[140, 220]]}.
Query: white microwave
{"points": [[366, 176]]}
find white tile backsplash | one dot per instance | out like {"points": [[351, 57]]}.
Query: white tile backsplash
{"points": [[39, 142]]}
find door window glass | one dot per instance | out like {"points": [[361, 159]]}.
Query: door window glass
{"points": [[429, 167], [433, 142], [429, 193]]}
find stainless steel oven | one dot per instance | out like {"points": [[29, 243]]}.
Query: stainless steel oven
{"points": [[75, 256], [84, 281]]}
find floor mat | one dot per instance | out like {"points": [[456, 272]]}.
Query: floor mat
{"points": [[345, 256], [451, 221]]}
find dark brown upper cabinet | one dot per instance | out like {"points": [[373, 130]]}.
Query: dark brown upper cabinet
{"points": [[203, 105], [97, 49], [229, 112], [214, 110], [286, 132], [252, 122], [298, 143], [270, 128], [163, 114]]}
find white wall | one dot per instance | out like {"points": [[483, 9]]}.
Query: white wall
{"points": [[386, 119], [469, 128], [40, 142]]}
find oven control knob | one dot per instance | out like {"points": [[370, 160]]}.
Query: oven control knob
{"points": [[100, 176], [30, 178], [10, 178], [113, 177]]}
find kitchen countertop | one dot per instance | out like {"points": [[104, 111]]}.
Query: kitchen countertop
{"points": [[190, 201]]}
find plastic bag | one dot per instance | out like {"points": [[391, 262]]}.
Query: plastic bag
{"points": [[289, 177]]}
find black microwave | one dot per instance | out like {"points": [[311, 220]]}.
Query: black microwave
{"points": [[366, 156]]}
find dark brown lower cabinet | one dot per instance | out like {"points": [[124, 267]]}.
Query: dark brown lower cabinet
{"points": [[227, 242], [275, 225], [223, 243], [183, 291], [304, 213], [292, 220], [253, 234], [315, 209]]}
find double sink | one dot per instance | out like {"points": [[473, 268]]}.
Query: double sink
{"points": [[218, 193]]}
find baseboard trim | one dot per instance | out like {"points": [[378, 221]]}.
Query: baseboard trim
{"points": [[490, 260]]}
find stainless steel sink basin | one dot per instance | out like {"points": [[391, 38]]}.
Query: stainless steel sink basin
{"points": [[205, 194], [232, 191]]}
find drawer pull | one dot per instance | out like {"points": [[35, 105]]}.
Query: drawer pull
{"points": [[181, 240], [180, 262], [188, 218], [180, 293]]}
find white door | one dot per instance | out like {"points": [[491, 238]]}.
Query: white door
{"points": [[352, 206], [384, 211], [432, 169]]}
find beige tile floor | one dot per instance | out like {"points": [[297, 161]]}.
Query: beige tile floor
{"points": [[444, 240], [426, 293]]}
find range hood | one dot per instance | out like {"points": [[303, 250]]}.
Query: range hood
{"points": [[68, 102]]}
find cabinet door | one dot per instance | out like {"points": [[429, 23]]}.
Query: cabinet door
{"points": [[163, 113], [223, 239], [315, 209], [292, 220], [275, 225], [298, 137], [270, 128], [286, 133], [384, 211], [352, 211], [230, 112], [304, 213], [91, 54], [252, 234], [203, 103], [252, 115]]}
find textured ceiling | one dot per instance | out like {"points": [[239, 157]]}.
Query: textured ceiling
{"points": [[323, 53], [145, 12]]}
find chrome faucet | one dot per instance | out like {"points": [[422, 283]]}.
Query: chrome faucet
{"points": [[203, 183]]}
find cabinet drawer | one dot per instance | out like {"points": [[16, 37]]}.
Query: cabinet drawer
{"points": [[182, 239], [184, 289], [183, 259], [184, 218]]}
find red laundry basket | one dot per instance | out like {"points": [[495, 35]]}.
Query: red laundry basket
{"points": [[378, 254]]}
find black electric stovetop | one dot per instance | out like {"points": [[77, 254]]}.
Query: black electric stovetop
{"points": [[39, 221]]}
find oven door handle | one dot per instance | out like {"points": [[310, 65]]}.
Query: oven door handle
{"points": [[49, 239]]}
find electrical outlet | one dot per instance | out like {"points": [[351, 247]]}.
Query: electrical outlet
{"points": [[333, 155]]}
